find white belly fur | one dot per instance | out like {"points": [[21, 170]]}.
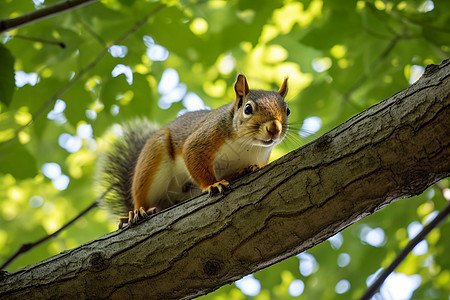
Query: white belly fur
{"points": [[167, 186], [236, 155], [172, 175]]}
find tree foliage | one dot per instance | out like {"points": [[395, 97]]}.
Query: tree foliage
{"points": [[341, 57]]}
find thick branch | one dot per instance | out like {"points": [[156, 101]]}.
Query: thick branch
{"points": [[393, 150], [40, 14]]}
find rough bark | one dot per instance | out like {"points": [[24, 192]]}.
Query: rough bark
{"points": [[393, 150]]}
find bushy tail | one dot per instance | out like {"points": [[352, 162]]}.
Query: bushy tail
{"points": [[116, 166]]}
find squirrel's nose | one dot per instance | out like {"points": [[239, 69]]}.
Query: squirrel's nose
{"points": [[273, 129]]}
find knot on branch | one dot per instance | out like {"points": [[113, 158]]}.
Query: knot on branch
{"points": [[97, 262], [212, 267]]}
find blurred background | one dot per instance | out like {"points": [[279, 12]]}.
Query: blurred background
{"points": [[77, 74]]}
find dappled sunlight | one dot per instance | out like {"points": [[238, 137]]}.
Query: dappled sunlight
{"points": [[92, 83], [336, 241], [372, 236], [295, 13], [193, 102], [122, 69], [155, 52], [118, 51], [199, 26], [310, 126], [65, 105], [342, 286], [343, 260], [57, 113], [321, 64], [249, 285], [215, 89], [308, 264], [296, 288], [23, 78], [22, 116], [397, 285], [413, 73], [226, 64], [426, 6]]}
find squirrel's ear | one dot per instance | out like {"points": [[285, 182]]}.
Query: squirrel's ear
{"points": [[284, 88], [241, 86]]}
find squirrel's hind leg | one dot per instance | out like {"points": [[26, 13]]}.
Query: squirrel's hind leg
{"points": [[148, 165], [219, 187]]}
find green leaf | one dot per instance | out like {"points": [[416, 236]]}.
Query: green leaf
{"points": [[7, 84], [16, 160], [77, 100]]}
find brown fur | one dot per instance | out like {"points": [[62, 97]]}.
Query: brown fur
{"points": [[197, 137], [146, 168], [201, 146]]}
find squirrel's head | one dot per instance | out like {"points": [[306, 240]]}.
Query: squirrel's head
{"points": [[260, 116]]}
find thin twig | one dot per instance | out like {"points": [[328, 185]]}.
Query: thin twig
{"points": [[27, 247], [90, 31], [60, 44], [402, 255], [40, 14]]}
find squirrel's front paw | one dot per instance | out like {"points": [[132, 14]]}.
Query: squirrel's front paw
{"points": [[250, 169], [138, 214], [219, 186]]}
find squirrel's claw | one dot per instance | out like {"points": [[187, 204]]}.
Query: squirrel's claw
{"points": [[250, 169], [142, 213], [137, 215], [122, 221], [219, 186]]}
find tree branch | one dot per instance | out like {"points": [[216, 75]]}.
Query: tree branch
{"points": [[40, 14], [60, 44], [393, 150], [404, 253], [28, 246]]}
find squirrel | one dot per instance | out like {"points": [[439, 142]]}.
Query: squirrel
{"points": [[148, 170]]}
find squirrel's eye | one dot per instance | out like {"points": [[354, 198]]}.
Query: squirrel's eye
{"points": [[248, 110], [288, 112]]}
